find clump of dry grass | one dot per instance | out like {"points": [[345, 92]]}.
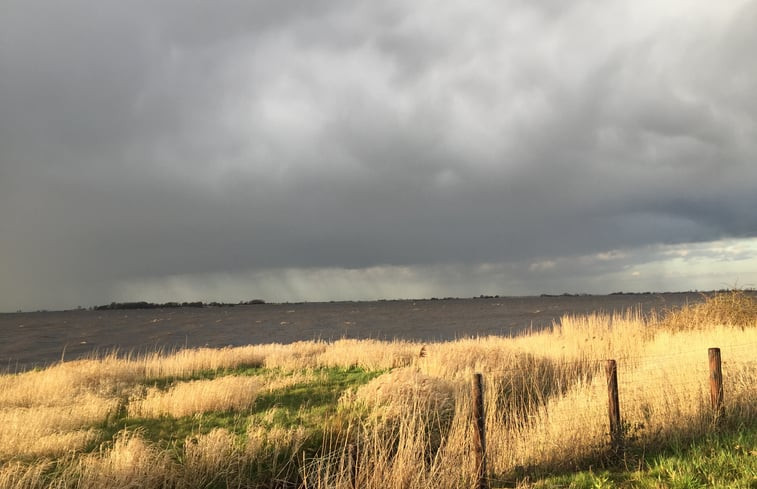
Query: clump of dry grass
{"points": [[131, 462], [733, 308], [294, 356], [211, 458], [274, 440], [275, 451], [198, 396], [52, 430], [369, 354], [456, 360], [188, 361], [65, 383], [19, 475], [55, 444], [395, 393], [589, 337], [39, 420], [49, 431], [109, 375], [274, 381]]}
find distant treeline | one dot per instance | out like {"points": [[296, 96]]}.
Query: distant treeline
{"points": [[169, 305], [719, 291]]}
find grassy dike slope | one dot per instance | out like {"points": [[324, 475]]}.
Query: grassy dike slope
{"points": [[289, 415]]}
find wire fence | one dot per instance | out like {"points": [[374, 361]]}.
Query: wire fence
{"points": [[640, 381]]}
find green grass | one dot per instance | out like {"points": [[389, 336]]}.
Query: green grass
{"points": [[312, 405], [309, 404], [246, 370], [719, 460]]}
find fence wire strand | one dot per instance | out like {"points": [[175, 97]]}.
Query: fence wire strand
{"points": [[637, 362]]}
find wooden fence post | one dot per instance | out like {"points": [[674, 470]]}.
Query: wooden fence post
{"points": [[716, 383], [479, 433], [352, 461], [613, 406]]}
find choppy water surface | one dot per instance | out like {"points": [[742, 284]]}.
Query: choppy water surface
{"points": [[28, 339]]}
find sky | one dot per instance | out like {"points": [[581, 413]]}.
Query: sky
{"points": [[345, 150]]}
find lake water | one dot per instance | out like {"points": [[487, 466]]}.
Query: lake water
{"points": [[28, 339]]}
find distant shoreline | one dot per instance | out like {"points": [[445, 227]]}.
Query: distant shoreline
{"points": [[136, 305]]}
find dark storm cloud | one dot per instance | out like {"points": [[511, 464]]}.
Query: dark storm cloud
{"points": [[153, 139]]}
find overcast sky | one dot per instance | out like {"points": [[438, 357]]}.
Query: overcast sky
{"points": [[314, 150]]}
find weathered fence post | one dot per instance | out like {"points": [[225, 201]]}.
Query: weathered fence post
{"points": [[613, 406], [479, 433], [352, 461], [716, 383]]}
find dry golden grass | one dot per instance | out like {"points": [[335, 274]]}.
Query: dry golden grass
{"points": [[130, 463], [545, 400], [295, 356], [20, 475], [274, 440], [188, 361], [369, 354], [211, 458], [48, 431], [46, 419], [589, 337], [276, 451], [64, 383], [52, 430], [108, 375], [397, 392], [276, 381], [231, 393], [55, 444], [735, 308]]}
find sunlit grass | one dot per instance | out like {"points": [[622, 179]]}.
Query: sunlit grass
{"points": [[230, 393], [715, 460]]}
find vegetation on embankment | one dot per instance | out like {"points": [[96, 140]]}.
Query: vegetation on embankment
{"points": [[397, 414], [727, 458]]}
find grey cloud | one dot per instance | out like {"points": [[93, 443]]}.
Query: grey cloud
{"points": [[156, 139]]}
